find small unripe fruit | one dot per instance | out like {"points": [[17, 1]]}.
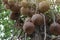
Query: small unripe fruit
{"points": [[28, 27], [55, 28], [14, 15], [24, 11], [43, 6], [24, 3], [37, 19]]}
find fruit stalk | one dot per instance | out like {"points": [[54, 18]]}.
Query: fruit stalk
{"points": [[25, 36], [44, 26], [53, 8]]}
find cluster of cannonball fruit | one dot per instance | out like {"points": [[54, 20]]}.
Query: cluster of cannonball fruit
{"points": [[33, 18]]}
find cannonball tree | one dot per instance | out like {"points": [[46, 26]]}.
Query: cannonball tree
{"points": [[31, 20]]}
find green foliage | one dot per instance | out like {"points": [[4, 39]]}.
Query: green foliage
{"points": [[6, 25]]}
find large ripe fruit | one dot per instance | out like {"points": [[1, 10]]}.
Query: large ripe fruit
{"points": [[24, 11], [28, 27], [43, 6], [55, 28], [58, 18], [14, 15], [24, 3], [37, 19], [5, 1]]}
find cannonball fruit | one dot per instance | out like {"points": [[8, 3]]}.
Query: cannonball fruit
{"points": [[24, 3], [27, 16], [28, 27], [14, 15], [24, 11], [27, 12], [55, 28], [37, 19], [12, 5], [43, 6]]}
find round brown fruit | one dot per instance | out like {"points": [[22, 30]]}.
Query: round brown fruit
{"points": [[55, 28], [24, 11], [31, 13], [37, 19], [24, 3], [15, 8], [12, 5], [14, 15], [44, 6], [58, 18], [28, 27], [5, 1]]}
